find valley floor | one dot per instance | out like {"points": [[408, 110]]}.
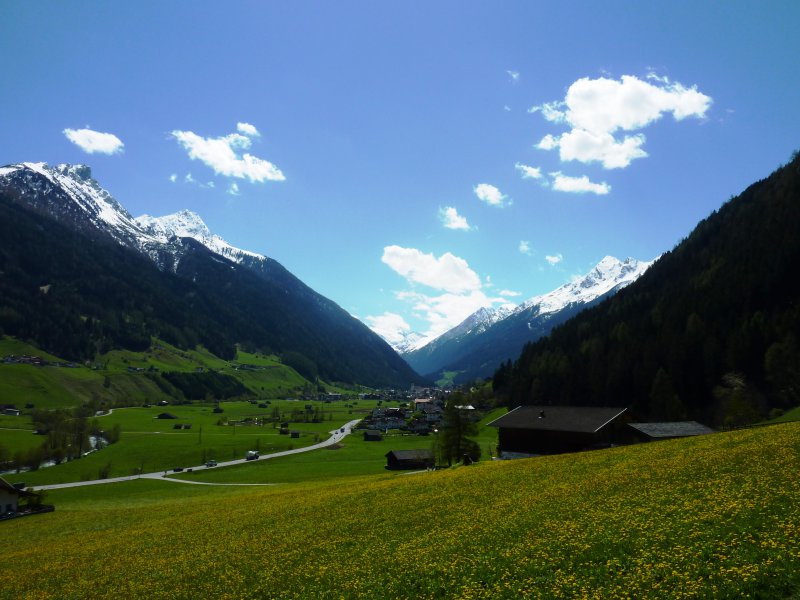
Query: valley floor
{"points": [[716, 516]]}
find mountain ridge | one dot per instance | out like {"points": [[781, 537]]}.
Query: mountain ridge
{"points": [[710, 332], [477, 345], [243, 297]]}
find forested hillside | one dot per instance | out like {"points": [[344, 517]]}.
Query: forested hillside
{"points": [[77, 296], [709, 332]]}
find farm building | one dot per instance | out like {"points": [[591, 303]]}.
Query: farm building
{"points": [[646, 432], [397, 460], [530, 430], [372, 435], [9, 497]]}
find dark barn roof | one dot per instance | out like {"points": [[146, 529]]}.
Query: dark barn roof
{"points": [[4, 485], [573, 419], [413, 455], [672, 430]]}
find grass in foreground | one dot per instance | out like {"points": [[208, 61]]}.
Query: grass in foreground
{"points": [[714, 516]]}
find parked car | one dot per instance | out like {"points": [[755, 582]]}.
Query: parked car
{"points": [[178, 469], [211, 463], [251, 455]]}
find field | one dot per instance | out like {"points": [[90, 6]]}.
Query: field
{"points": [[352, 458], [716, 516], [150, 444]]}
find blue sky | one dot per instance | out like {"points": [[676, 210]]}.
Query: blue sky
{"points": [[377, 150]]}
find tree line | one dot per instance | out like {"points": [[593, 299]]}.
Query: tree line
{"points": [[710, 332]]}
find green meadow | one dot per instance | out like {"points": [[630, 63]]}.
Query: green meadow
{"points": [[717, 516], [150, 444], [126, 378]]}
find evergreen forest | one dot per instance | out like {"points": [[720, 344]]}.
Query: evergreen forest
{"points": [[709, 332]]}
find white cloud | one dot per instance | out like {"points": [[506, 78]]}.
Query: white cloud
{"points": [[233, 189], [528, 172], [596, 109], [510, 293], [173, 178], [188, 178], [514, 76], [548, 142], [525, 247], [578, 185], [551, 111], [390, 326], [491, 195], [452, 220], [554, 259], [247, 129], [586, 146], [448, 272], [94, 142], [462, 292], [221, 155]]}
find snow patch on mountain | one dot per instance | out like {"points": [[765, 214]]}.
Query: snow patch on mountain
{"points": [[610, 274], [186, 223], [407, 342]]}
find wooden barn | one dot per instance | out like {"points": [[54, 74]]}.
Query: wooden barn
{"points": [[532, 430], [410, 459]]}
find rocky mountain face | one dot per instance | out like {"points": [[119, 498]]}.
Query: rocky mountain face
{"points": [[477, 346], [244, 296]]}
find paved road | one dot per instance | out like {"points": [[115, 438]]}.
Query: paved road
{"points": [[337, 435]]}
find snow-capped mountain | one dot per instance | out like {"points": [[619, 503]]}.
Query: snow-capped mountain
{"points": [[609, 275], [406, 341], [488, 337], [186, 223], [69, 193], [170, 278]]}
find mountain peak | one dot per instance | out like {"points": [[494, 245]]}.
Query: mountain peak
{"points": [[186, 223], [607, 275], [82, 172], [183, 223], [69, 191]]}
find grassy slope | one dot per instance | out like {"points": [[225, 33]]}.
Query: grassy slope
{"points": [[354, 457], [54, 387], [714, 516]]}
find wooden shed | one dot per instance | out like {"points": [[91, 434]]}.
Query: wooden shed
{"points": [[646, 432], [372, 435], [532, 430], [410, 459], [9, 497]]}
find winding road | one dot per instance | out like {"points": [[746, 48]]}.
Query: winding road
{"points": [[337, 435]]}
